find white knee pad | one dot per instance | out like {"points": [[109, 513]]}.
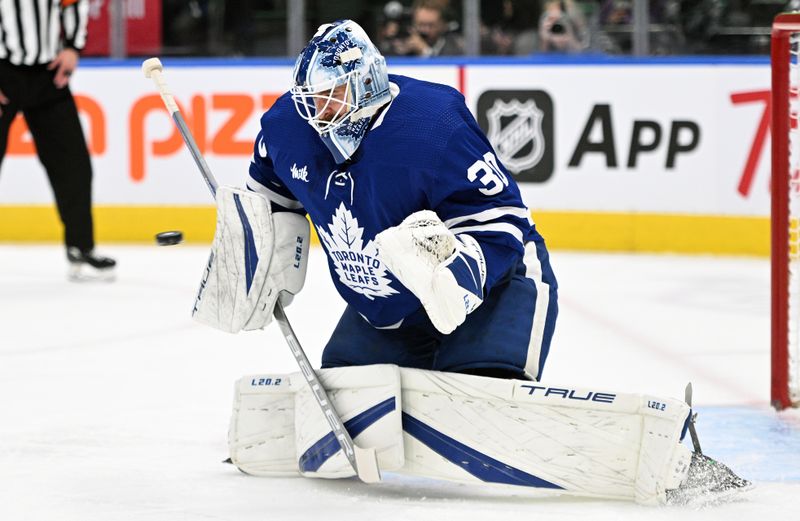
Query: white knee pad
{"points": [[277, 428]]}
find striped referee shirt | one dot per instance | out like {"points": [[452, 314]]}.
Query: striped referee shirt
{"points": [[34, 31]]}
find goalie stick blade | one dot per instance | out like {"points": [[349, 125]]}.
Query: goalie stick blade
{"points": [[692, 420], [367, 463]]}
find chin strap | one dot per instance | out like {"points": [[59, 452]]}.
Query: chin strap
{"points": [[367, 112]]}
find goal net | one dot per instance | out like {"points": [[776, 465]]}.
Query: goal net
{"points": [[785, 211]]}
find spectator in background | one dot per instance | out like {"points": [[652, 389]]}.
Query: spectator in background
{"points": [[497, 34], [185, 27], [562, 27], [36, 64], [616, 20], [394, 30], [429, 33], [509, 27]]}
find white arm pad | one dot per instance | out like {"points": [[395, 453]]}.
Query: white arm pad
{"points": [[446, 273], [255, 257]]}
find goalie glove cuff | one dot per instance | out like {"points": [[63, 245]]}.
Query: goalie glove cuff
{"points": [[457, 286], [287, 268], [468, 265]]}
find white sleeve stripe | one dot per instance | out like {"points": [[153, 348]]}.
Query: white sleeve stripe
{"points": [[492, 227], [275, 197], [490, 215], [69, 23], [83, 22], [30, 38]]}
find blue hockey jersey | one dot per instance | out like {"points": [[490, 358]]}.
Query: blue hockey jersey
{"points": [[424, 151]]}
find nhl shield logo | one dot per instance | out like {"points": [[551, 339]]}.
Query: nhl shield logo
{"points": [[519, 124], [520, 141]]}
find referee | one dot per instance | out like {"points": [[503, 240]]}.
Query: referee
{"points": [[40, 41]]}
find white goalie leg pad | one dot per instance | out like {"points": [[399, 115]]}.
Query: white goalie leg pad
{"points": [[277, 428], [367, 399], [254, 257], [553, 438], [467, 429], [261, 432]]}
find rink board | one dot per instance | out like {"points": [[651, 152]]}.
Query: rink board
{"points": [[619, 155], [631, 232]]}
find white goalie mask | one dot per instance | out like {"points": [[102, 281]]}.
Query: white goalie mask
{"points": [[340, 82]]}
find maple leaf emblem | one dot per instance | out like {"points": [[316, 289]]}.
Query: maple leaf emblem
{"points": [[356, 263]]}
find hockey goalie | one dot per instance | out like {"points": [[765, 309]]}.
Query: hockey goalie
{"points": [[437, 361]]}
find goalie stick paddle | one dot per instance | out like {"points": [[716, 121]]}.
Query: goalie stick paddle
{"points": [[363, 461]]}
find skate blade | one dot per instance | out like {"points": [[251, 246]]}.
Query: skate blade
{"points": [[703, 497], [85, 273]]}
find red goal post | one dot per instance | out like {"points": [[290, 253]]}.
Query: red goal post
{"points": [[785, 213]]}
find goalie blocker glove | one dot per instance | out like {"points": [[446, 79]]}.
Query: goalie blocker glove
{"points": [[445, 272], [255, 257]]}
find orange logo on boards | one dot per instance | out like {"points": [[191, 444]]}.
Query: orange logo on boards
{"points": [[236, 108]]}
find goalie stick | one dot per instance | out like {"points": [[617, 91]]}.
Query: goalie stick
{"points": [[363, 461]]}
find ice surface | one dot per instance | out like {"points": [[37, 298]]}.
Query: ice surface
{"points": [[114, 404]]}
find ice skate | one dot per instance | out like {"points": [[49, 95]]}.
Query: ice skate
{"points": [[88, 266], [707, 481]]}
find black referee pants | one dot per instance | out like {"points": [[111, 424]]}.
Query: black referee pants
{"points": [[56, 129]]}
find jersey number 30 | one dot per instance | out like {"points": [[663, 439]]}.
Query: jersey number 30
{"points": [[488, 172]]}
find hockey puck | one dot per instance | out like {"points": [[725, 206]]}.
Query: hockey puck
{"points": [[169, 238]]}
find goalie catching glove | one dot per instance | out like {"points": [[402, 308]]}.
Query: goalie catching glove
{"points": [[444, 271], [256, 257]]}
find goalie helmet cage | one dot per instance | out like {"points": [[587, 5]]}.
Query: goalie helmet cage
{"points": [[785, 213]]}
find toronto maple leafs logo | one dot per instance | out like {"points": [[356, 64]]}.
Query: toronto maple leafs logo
{"points": [[356, 263]]}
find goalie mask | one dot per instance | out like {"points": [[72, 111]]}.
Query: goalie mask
{"points": [[340, 82]]}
